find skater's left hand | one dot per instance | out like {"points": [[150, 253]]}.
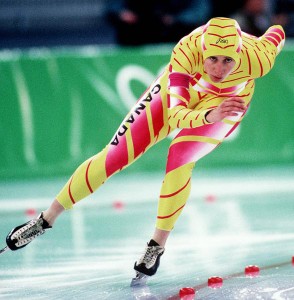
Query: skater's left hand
{"points": [[229, 107]]}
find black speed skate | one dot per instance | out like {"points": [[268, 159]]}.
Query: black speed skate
{"points": [[22, 235], [148, 264]]}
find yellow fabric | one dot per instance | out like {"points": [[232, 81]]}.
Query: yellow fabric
{"points": [[175, 190], [184, 107], [255, 59], [78, 184], [222, 36]]}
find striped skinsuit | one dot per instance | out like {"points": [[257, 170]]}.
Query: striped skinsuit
{"points": [[179, 98]]}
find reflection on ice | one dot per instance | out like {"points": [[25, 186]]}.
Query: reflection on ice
{"points": [[143, 293]]}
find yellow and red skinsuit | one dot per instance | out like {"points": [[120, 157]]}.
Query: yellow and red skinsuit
{"points": [[179, 98]]}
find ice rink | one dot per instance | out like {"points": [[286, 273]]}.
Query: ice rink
{"points": [[234, 218]]}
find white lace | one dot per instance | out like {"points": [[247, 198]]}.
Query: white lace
{"points": [[150, 255], [28, 232]]}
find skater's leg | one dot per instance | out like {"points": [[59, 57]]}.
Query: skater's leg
{"points": [[52, 212], [160, 236], [174, 194], [187, 148], [144, 126]]}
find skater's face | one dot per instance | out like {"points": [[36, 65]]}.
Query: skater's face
{"points": [[218, 67]]}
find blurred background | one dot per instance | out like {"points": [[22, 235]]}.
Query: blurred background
{"points": [[29, 23], [70, 71]]}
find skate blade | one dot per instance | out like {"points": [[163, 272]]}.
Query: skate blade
{"points": [[4, 250], [139, 280]]}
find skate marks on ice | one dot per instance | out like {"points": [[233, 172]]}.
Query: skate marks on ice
{"points": [[91, 252], [143, 292]]}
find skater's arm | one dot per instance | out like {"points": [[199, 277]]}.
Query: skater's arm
{"points": [[184, 64], [260, 53], [180, 116]]}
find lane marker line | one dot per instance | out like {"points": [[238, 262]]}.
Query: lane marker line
{"points": [[198, 287]]}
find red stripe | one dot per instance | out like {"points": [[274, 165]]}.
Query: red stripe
{"points": [[232, 129], [181, 65], [272, 40], [117, 156], [157, 114], [201, 97], [69, 192], [194, 57], [268, 60], [178, 111], [186, 57], [249, 62], [274, 36], [198, 58], [268, 42], [193, 81], [198, 76], [221, 36], [232, 80], [219, 26], [260, 64], [279, 31], [214, 106], [140, 133], [176, 192], [165, 217], [179, 79], [222, 47], [231, 89], [87, 178], [187, 114]]}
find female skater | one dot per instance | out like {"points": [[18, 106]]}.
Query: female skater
{"points": [[204, 91]]}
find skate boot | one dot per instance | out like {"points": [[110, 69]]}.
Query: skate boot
{"points": [[148, 263], [22, 235]]}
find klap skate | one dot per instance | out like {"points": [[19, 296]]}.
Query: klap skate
{"points": [[147, 264], [22, 235]]}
